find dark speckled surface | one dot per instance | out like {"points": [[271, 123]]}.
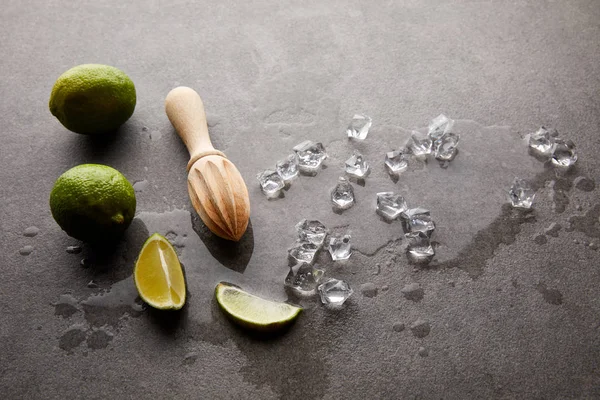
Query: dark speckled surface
{"points": [[509, 308]]}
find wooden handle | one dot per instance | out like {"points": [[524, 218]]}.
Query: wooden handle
{"points": [[185, 110]]}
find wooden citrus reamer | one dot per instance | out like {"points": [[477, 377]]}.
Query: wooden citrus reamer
{"points": [[215, 186]]}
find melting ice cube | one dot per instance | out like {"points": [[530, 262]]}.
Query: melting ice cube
{"points": [[563, 153], [541, 141], [444, 148], [396, 161], [417, 220], [420, 146], [302, 253], [439, 126], [303, 279]]}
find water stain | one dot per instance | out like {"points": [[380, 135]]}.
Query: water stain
{"points": [[502, 230], [584, 183], [99, 339], [66, 306], [553, 229], [110, 306], [551, 296], [141, 186], [72, 338], [589, 224], [540, 239]]}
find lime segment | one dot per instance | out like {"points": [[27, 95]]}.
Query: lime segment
{"points": [[158, 275], [253, 312]]}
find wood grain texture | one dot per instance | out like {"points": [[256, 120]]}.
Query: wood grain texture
{"points": [[216, 188]]}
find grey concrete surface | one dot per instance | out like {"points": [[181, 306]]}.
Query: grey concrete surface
{"points": [[510, 307]]}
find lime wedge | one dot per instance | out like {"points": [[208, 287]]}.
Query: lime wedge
{"points": [[158, 275], [253, 312]]}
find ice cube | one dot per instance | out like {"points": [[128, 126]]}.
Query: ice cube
{"points": [[396, 161], [563, 153], [270, 182], [444, 148], [303, 279], [419, 246], [541, 141], [390, 205], [420, 146], [288, 167], [310, 156], [342, 195], [359, 127], [521, 194], [302, 253], [311, 231], [357, 166], [340, 247], [439, 126], [334, 292], [417, 220]]}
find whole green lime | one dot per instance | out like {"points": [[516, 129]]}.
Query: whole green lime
{"points": [[93, 202], [93, 98]]}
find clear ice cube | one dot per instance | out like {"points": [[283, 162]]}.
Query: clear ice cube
{"points": [[419, 246], [304, 278], [390, 205], [334, 292], [357, 166], [563, 153], [311, 231], [302, 253], [444, 148], [396, 161], [359, 127], [541, 141], [439, 126], [310, 155], [288, 167], [342, 195], [340, 247], [417, 220], [270, 182], [420, 145], [521, 194]]}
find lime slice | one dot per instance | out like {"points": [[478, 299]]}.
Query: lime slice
{"points": [[158, 275], [253, 312]]}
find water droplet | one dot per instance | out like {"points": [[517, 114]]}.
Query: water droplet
{"points": [[73, 249], [144, 129], [85, 263], [155, 135], [141, 186], [26, 250], [368, 289], [385, 288], [190, 358], [423, 352], [420, 328], [398, 327], [92, 285], [31, 231]]}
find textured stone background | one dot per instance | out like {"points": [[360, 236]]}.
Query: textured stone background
{"points": [[507, 309]]}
